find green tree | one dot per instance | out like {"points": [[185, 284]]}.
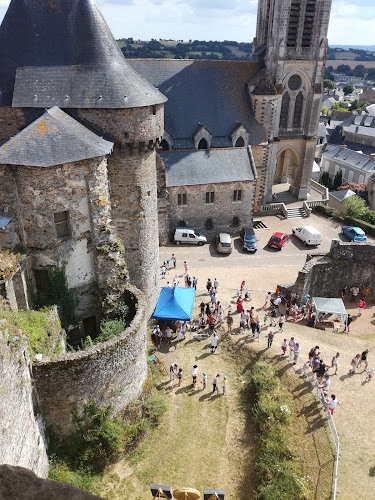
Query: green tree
{"points": [[348, 89], [355, 207], [359, 70], [337, 181], [343, 68], [324, 179], [328, 84]]}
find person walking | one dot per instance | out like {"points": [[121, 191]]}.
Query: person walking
{"points": [[216, 284], [370, 375], [325, 385], [169, 333], [281, 322], [284, 347], [163, 271], [273, 316], [266, 299], [186, 267], [354, 364], [361, 306], [195, 282], [172, 371], [209, 285], [335, 362], [297, 351], [332, 404], [344, 292], [204, 380], [364, 359], [157, 335], [259, 327], [215, 382], [224, 385], [173, 259], [194, 374], [270, 339], [320, 370], [202, 305], [355, 292], [229, 322], [214, 342], [253, 325], [349, 319], [313, 351], [291, 344], [179, 376]]}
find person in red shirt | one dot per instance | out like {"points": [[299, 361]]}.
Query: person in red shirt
{"points": [[361, 306]]}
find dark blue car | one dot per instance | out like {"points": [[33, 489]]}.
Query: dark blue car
{"points": [[354, 233], [248, 239]]}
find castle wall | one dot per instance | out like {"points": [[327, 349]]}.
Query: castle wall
{"points": [[222, 211], [22, 431], [11, 122], [346, 264], [112, 373]]}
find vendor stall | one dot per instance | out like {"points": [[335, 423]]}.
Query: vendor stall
{"points": [[326, 306]]}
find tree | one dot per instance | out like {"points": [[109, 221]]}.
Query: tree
{"points": [[348, 89], [355, 207], [359, 70], [343, 68], [324, 179], [328, 84], [337, 181]]}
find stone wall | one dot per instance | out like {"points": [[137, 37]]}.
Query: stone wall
{"points": [[222, 211], [22, 431], [11, 122], [346, 264], [112, 373]]}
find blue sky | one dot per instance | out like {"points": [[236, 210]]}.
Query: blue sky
{"points": [[352, 22]]}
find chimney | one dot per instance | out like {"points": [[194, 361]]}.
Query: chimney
{"points": [[343, 146], [372, 156]]}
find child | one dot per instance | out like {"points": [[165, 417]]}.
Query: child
{"points": [[217, 383], [370, 375], [179, 375], [204, 380], [230, 309], [284, 346], [265, 319], [332, 403], [224, 385]]}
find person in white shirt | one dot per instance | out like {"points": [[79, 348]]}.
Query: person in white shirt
{"points": [[172, 371], [276, 302], [296, 351], [325, 385], [266, 299], [169, 333], [291, 347], [214, 342], [194, 373], [216, 284], [332, 403], [370, 375]]}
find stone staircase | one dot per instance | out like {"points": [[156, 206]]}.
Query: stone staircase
{"points": [[296, 212]]}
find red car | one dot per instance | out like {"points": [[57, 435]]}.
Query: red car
{"points": [[278, 240]]}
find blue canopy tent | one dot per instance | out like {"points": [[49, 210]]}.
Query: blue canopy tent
{"points": [[175, 303]]}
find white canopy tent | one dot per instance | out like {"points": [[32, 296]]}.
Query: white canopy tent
{"points": [[327, 305]]}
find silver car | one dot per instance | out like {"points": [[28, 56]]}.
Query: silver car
{"points": [[223, 243]]}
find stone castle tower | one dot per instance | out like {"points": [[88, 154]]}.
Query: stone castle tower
{"points": [[87, 166], [291, 43]]}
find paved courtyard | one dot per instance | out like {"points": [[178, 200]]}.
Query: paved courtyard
{"points": [[262, 272]]}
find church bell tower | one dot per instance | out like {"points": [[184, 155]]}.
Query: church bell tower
{"points": [[291, 44]]}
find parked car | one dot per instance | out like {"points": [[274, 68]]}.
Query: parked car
{"points": [[354, 233], [188, 235], [248, 239], [308, 234], [223, 243], [278, 240]]}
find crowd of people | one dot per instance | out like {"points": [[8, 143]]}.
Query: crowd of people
{"points": [[217, 382]]}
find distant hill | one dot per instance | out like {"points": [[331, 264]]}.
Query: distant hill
{"points": [[360, 47]]}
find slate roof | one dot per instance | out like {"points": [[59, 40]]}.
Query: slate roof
{"points": [[352, 158], [53, 139], [192, 168], [342, 194], [213, 93], [62, 53]]}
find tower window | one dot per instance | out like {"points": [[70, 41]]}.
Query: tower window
{"points": [[294, 82], [61, 220], [182, 199], [237, 195], [298, 107], [284, 113], [240, 143], [210, 196], [203, 144], [308, 24], [293, 23]]}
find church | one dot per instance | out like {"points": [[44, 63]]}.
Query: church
{"points": [[95, 149]]}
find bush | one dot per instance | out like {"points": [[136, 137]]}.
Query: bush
{"points": [[279, 473], [62, 296], [110, 329]]}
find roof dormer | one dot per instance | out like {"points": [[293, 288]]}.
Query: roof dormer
{"points": [[240, 136], [202, 138]]}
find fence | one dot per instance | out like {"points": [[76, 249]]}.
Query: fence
{"points": [[307, 374]]}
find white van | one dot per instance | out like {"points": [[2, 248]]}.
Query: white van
{"points": [[188, 235], [308, 234]]}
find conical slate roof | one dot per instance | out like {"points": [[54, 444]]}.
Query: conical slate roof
{"points": [[53, 139], [62, 53]]}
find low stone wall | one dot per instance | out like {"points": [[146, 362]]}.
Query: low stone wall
{"points": [[346, 264], [112, 373], [22, 430]]}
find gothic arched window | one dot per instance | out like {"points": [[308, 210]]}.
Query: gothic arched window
{"points": [[209, 224], [298, 110], [284, 113], [236, 221], [203, 144], [240, 143]]}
